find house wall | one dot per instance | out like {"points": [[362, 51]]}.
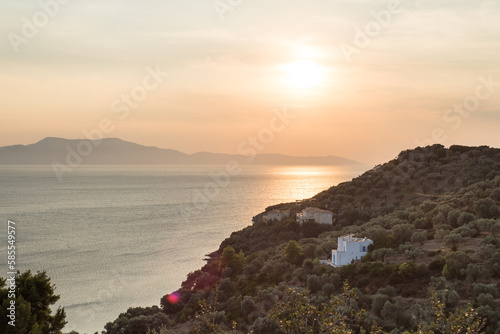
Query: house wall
{"points": [[277, 215], [274, 216], [323, 218], [348, 250], [318, 217], [308, 215]]}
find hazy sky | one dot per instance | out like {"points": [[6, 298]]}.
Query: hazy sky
{"points": [[364, 79]]}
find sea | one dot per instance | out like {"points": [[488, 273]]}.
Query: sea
{"points": [[115, 237]]}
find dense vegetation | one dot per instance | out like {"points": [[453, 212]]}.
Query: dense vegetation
{"points": [[434, 216], [34, 295]]}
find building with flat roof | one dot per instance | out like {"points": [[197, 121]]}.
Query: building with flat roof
{"points": [[349, 249]]}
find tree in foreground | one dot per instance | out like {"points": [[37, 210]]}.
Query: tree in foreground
{"points": [[340, 315], [464, 320], [209, 320], [296, 315], [34, 295]]}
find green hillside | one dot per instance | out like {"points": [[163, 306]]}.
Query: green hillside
{"points": [[434, 216]]}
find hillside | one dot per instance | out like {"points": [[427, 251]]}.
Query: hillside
{"points": [[434, 216], [114, 151]]}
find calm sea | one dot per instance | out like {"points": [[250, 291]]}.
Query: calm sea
{"points": [[114, 237]]}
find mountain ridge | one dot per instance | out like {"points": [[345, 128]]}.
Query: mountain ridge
{"points": [[433, 214], [116, 151]]}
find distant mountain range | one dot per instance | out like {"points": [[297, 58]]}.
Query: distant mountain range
{"points": [[114, 151]]}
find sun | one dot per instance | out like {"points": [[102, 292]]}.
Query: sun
{"points": [[304, 74]]}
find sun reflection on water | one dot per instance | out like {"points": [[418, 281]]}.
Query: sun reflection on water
{"points": [[304, 182]]}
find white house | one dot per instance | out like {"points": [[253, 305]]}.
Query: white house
{"points": [[276, 214], [349, 248], [315, 214]]}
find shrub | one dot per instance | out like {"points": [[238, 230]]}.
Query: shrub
{"points": [[455, 262], [328, 289], [247, 305], [465, 218], [450, 297], [486, 299], [388, 291], [437, 264], [410, 251], [265, 326], [418, 237], [314, 283], [407, 272], [480, 288], [485, 225], [402, 233], [482, 208], [453, 240], [475, 272], [378, 301], [466, 231]]}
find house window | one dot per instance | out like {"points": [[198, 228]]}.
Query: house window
{"points": [[363, 249]]}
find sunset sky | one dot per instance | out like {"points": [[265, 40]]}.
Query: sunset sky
{"points": [[364, 79]]}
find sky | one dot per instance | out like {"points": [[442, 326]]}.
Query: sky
{"points": [[362, 79]]}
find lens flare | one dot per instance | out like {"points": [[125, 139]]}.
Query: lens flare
{"points": [[173, 298]]}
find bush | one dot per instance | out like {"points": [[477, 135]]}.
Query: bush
{"points": [[247, 305], [486, 299], [465, 218], [450, 297], [388, 290], [378, 301], [418, 237], [407, 272], [455, 262], [265, 326], [314, 283], [437, 264], [482, 208], [410, 252], [453, 240], [402, 233], [433, 253], [466, 231], [485, 225], [441, 234], [475, 272], [381, 253], [480, 288], [328, 289]]}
